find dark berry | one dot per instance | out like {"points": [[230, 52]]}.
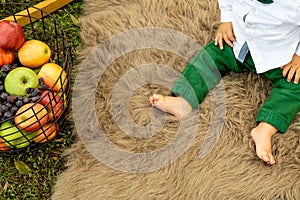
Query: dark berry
{"points": [[35, 92], [41, 80], [29, 90], [26, 100], [14, 66], [3, 108], [14, 109], [11, 98], [35, 98], [39, 90], [20, 98], [8, 105], [1, 82], [44, 87], [19, 103], [3, 75], [3, 95], [7, 114], [5, 68]]}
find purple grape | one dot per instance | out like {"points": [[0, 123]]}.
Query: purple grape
{"points": [[20, 98], [8, 106], [26, 100], [41, 80], [3, 95], [35, 99], [19, 103], [14, 66], [11, 98], [35, 92], [29, 90], [44, 87], [5, 68], [3, 108], [3, 75], [7, 114], [14, 109]]}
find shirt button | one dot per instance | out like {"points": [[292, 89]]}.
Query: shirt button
{"points": [[249, 39], [249, 25], [253, 10]]}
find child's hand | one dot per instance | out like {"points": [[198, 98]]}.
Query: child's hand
{"points": [[292, 69], [225, 33]]}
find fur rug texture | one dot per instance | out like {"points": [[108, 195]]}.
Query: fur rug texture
{"points": [[228, 170]]}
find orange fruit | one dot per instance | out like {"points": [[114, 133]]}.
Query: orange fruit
{"points": [[34, 53]]}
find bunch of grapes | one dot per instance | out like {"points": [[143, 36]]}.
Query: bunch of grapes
{"points": [[11, 103]]}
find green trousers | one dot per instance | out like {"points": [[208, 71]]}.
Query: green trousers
{"points": [[210, 64]]}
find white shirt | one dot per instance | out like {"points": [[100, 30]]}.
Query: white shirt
{"points": [[272, 31]]}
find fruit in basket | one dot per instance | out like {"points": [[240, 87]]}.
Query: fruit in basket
{"points": [[64, 98], [46, 132], [54, 104], [6, 57], [31, 117], [19, 79], [54, 76], [3, 146], [12, 35], [14, 136], [34, 53]]}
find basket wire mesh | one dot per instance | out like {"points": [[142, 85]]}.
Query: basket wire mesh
{"points": [[44, 27]]}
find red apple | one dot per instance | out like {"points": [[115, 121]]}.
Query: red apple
{"points": [[31, 117], [3, 146], [6, 57], [46, 132], [12, 35], [54, 104]]}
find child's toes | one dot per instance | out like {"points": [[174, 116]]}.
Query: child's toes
{"points": [[156, 97], [151, 100], [267, 157], [272, 159]]}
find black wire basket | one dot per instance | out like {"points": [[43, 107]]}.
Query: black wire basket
{"points": [[39, 124]]}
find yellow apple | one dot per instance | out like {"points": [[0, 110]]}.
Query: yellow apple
{"points": [[34, 53], [54, 76]]}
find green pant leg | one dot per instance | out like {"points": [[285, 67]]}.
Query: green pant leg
{"points": [[283, 103], [203, 72]]}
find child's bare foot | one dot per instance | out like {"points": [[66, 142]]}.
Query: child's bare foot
{"points": [[176, 106], [262, 137]]}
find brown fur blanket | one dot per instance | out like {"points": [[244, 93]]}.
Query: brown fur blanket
{"points": [[206, 156]]}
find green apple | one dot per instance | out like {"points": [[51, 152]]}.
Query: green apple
{"points": [[19, 79], [15, 137]]}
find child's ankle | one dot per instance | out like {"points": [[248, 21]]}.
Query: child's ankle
{"points": [[267, 128]]}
